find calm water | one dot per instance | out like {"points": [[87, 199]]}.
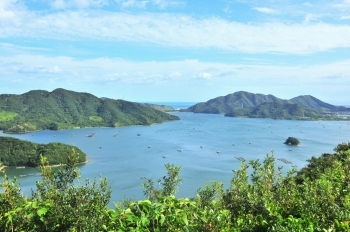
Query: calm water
{"points": [[125, 158]]}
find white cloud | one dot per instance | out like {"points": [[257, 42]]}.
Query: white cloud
{"points": [[62, 4], [9, 9], [108, 77], [123, 71], [58, 4], [308, 4], [166, 3], [344, 5], [309, 18], [133, 3], [144, 3], [345, 17], [181, 31], [204, 75], [266, 10]]}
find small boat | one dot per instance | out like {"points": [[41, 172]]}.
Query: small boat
{"points": [[20, 167], [138, 134]]}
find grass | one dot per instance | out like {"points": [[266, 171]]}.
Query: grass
{"points": [[95, 118], [7, 116]]}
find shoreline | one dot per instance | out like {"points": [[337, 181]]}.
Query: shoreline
{"points": [[51, 166]]}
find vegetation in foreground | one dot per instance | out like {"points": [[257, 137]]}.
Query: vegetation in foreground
{"points": [[259, 198], [16, 152]]}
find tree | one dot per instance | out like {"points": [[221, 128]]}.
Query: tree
{"points": [[58, 204], [292, 141]]}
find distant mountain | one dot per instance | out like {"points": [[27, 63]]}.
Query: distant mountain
{"points": [[275, 110], [226, 104], [313, 103], [245, 104], [61, 109], [162, 108]]}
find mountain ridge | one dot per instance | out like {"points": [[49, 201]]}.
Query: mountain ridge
{"points": [[244, 104], [62, 109]]}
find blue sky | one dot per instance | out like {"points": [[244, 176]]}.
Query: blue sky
{"points": [[177, 50]]}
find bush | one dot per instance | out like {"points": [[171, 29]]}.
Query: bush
{"points": [[259, 198]]}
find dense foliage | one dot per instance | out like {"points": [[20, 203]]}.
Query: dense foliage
{"points": [[315, 104], [259, 198], [292, 141], [276, 110], [16, 152], [60, 109]]}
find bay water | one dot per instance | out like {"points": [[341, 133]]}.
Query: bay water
{"points": [[206, 146]]}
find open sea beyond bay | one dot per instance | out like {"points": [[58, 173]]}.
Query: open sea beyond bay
{"points": [[204, 145]]}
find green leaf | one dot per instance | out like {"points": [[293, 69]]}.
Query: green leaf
{"points": [[184, 219], [162, 219]]}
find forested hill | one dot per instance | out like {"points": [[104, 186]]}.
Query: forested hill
{"points": [[243, 103], [225, 104], [313, 103], [275, 110], [162, 108], [61, 109], [16, 152]]}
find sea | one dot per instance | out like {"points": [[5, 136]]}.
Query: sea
{"points": [[207, 147]]}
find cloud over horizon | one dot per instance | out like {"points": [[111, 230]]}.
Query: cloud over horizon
{"points": [[221, 46]]}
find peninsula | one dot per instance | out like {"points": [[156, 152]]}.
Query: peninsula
{"points": [[63, 109], [16, 152]]}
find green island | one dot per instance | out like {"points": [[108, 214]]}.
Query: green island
{"points": [[292, 141], [63, 109], [259, 198], [16, 152], [245, 104]]}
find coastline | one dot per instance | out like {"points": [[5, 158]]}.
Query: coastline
{"points": [[51, 166]]}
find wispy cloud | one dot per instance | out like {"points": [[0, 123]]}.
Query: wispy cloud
{"points": [[343, 5], [345, 17], [309, 18], [62, 4], [179, 31], [266, 10], [151, 72], [162, 4], [186, 79]]}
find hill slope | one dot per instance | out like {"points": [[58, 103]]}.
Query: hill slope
{"points": [[61, 109], [225, 104], [246, 104], [313, 103], [275, 110], [16, 152]]}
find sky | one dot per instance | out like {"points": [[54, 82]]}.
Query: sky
{"points": [[177, 50]]}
